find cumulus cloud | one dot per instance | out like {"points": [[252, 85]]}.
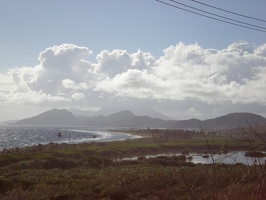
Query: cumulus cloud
{"points": [[132, 83], [62, 71], [6, 83], [119, 61], [66, 57], [235, 75], [64, 62], [77, 96], [69, 84]]}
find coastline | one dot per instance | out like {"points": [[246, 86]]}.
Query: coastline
{"points": [[144, 144], [97, 170], [17, 137]]}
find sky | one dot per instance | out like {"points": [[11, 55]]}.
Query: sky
{"points": [[86, 54]]}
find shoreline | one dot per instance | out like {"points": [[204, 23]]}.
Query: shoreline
{"points": [[135, 147], [51, 138], [148, 142], [89, 170]]}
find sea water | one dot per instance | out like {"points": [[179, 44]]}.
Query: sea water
{"points": [[23, 136]]}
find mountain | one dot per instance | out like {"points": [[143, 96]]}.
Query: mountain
{"points": [[141, 122], [83, 113], [115, 119], [106, 110], [8, 122], [126, 118], [185, 124], [234, 120], [53, 117]]}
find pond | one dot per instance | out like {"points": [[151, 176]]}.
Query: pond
{"points": [[229, 158]]}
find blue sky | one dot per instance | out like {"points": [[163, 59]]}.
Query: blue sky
{"points": [[30, 27]]}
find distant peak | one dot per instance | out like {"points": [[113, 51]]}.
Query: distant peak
{"points": [[124, 112]]}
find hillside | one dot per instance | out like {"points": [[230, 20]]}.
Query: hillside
{"points": [[53, 117], [126, 118], [234, 120], [110, 109]]}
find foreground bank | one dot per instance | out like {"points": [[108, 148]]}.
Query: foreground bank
{"points": [[96, 171]]}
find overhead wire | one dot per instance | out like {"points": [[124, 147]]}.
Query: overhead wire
{"points": [[217, 19], [205, 4], [227, 18]]}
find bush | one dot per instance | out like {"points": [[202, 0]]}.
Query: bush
{"points": [[5, 185], [169, 161], [97, 161], [255, 154], [52, 163]]}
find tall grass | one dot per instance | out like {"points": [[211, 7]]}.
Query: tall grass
{"points": [[89, 171]]}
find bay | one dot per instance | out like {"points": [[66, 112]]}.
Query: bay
{"points": [[23, 136]]}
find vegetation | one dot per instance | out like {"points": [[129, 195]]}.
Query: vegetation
{"points": [[255, 154], [97, 171]]}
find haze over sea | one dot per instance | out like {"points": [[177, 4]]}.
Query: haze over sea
{"points": [[23, 136]]}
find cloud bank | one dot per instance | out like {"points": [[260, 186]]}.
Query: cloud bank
{"points": [[185, 79]]}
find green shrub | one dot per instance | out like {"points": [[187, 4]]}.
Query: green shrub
{"points": [[255, 154], [97, 161], [52, 163], [5, 185]]}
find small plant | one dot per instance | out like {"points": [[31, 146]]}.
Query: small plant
{"points": [[255, 154]]}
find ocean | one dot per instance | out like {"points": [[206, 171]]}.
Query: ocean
{"points": [[23, 136]]}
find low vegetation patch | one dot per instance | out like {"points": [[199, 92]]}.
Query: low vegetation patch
{"points": [[255, 154], [97, 171]]}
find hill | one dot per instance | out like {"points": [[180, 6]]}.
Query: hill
{"points": [[53, 117], [126, 118], [234, 120], [107, 110]]}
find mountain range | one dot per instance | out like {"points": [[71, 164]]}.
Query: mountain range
{"points": [[137, 110], [126, 118]]}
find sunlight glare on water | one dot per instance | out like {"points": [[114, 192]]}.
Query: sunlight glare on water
{"points": [[22, 136]]}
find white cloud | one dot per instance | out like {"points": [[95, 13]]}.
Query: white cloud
{"points": [[142, 60], [6, 83], [77, 96], [235, 74], [61, 68], [24, 76], [66, 57], [261, 50], [206, 78], [69, 84], [119, 61], [64, 62], [113, 62], [132, 83]]}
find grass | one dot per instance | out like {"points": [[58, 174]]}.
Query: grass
{"points": [[88, 171], [141, 181]]}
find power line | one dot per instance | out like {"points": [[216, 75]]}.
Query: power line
{"points": [[217, 15], [262, 20], [210, 17]]}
